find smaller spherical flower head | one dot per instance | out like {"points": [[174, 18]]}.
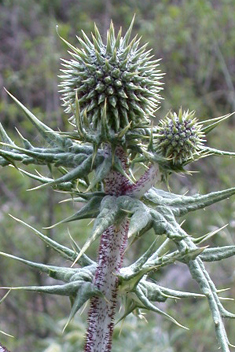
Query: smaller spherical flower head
{"points": [[110, 88], [179, 138]]}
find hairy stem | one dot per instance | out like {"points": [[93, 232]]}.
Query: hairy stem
{"points": [[102, 311], [112, 246]]}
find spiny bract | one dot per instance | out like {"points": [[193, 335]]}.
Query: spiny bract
{"points": [[110, 88], [179, 137]]}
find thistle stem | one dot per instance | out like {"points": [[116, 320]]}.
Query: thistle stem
{"points": [[148, 180], [112, 246], [102, 310]]}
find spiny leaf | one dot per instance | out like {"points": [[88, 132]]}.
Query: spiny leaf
{"points": [[109, 213], [39, 266], [148, 305], [161, 226], [25, 141], [10, 155], [67, 289], [101, 172], [208, 235], [179, 294], [152, 291], [59, 273], [182, 204], [83, 197], [89, 210], [46, 132], [40, 178], [80, 171], [215, 254], [47, 157], [187, 203], [129, 306], [199, 273], [209, 125], [64, 251], [130, 276], [5, 137], [144, 257], [213, 151], [182, 256], [84, 293]]}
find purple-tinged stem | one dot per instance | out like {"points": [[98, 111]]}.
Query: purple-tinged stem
{"points": [[102, 310], [148, 180], [112, 246]]}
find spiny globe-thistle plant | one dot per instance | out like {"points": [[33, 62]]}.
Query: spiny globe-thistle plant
{"points": [[97, 165]]}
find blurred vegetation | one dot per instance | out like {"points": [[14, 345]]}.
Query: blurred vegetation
{"points": [[196, 41]]}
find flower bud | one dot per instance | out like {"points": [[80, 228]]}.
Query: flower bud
{"points": [[115, 85], [179, 137]]}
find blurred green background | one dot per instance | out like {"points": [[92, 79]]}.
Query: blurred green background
{"points": [[196, 41]]}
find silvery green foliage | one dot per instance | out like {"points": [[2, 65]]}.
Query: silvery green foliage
{"points": [[110, 138]]}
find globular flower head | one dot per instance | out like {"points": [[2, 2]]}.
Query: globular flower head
{"points": [[110, 88], [179, 137]]}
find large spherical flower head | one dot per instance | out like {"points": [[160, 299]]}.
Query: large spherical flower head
{"points": [[179, 137], [110, 88]]}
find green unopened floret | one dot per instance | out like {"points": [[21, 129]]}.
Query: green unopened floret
{"points": [[179, 137]]}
